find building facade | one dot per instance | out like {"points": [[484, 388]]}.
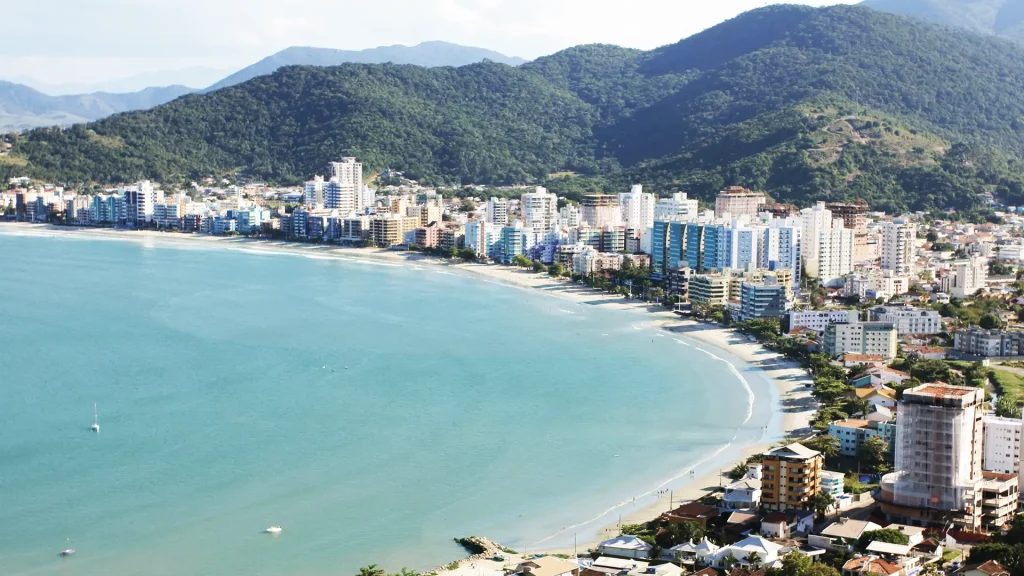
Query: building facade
{"points": [[791, 476], [738, 201], [866, 338], [909, 320]]}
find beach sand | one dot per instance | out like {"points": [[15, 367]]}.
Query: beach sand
{"points": [[796, 403]]}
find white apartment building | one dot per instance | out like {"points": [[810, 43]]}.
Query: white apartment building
{"points": [[909, 320], [569, 216], [483, 237], [346, 194], [826, 247], [139, 201], [497, 211], [740, 247], [818, 320], [1001, 444], [637, 208], [898, 247], [540, 209], [676, 207], [966, 277]]}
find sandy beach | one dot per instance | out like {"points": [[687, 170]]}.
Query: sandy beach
{"points": [[795, 402]]}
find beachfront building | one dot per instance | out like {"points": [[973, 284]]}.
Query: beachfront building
{"points": [[600, 210], [765, 299], [818, 320], [938, 458], [709, 290], [791, 477], [864, 338], [539, 209], [497, 211], [547, 566], [637, 208], [625, 546], [833, 483], [745, 493]]}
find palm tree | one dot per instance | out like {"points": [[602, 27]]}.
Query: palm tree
{"points": [[753, 561], [728, 562], [372, 570]]}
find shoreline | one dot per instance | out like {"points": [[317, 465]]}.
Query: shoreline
{"points": [[795, 404]]}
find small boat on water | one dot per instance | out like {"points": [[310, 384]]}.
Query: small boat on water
{"points": [[273, 530], [67, 552], [95, 419]]}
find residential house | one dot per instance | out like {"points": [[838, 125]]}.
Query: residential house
{"points": [[625, 546], [690, 552], [989, 568], [880, 397], [841, 535], [833, 483], [871, 566], [743, 494], [786, 524], [691, 512], [752, 551], [547, 566]]}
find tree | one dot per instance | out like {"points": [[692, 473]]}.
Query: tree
{"points": [[873, 454], [827, 445], [930, 370], [738, 471], [372, 570], [539, 267], [1007, 407], [729, 561], [891, 536], [1009, 555], [830, 391], [557, 270], [822, 503], [931, 236], [990, 322]]}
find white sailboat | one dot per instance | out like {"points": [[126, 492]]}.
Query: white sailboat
{"points": [[95, 419]]}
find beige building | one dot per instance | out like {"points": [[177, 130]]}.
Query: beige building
{"points": [[965, 277], [391, 230], [938, 481], [867, 338], [898, 247], [709, 289], [738, 201], [600, 210], [791, 476]]}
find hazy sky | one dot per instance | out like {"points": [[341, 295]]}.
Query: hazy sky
{"points": [[77, 41]]}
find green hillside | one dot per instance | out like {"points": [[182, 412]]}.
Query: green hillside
{"points": [[839, 102], [1003, 18]]}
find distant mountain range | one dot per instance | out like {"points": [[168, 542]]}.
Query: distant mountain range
{"points": [[1004, 18], [430, 54], [23, 107]]}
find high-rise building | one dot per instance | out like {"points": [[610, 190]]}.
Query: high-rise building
{"points": [[898, 247], [938, 458], [347, 194], [497, 211], [139, 202], [314, 193], [637, 208], [766, 299], [965, 277], [780, 247], [483, 237], [791, 477], [738, 201], [569, 216], [539, 209], [676, 207], [600, 210], [826, 246], [739, 247]]}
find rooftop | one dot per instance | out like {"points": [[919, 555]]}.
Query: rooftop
{"points": [[851, 423], [547, 566], [871, 565], [793, 450], [943, 390]]}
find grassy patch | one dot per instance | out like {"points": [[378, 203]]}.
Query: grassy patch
{"points": [[1008, 384], [13, 160], [854, 486], [106, 141], [951, 555]]}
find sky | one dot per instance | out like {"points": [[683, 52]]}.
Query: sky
{"points": [[123, 43]]}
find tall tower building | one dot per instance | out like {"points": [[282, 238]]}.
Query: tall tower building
{"points": [[826, 246], [497, 211], [677, 207], [540, 209], [938, 458], [344, 189], [637, 208], [898, 247], [314, 193]]}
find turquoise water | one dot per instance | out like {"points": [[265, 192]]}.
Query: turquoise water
{"points": [[373, 411]]}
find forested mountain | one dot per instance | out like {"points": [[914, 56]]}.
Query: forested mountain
{"points": [[1003, 18], [23, 107], [839, 102], [424, 54]]}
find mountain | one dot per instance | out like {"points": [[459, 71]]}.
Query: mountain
{"points": [[22, 107], [427, 54], [195, 76], [1003, 18], [833, 103]]}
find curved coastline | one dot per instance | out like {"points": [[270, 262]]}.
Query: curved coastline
{"points": [[687, 484]]}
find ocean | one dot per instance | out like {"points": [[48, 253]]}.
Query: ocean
{"points": [[373, 411]]}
